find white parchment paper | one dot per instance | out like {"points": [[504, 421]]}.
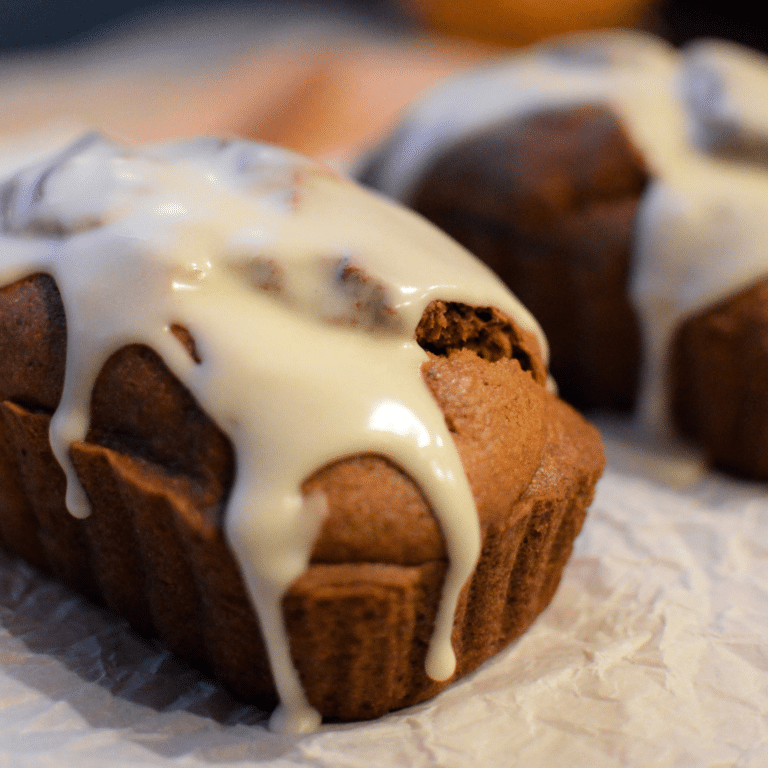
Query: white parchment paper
{"points": [[654, 652]]}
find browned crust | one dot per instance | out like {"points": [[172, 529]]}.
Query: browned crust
{"points": [[361, 616], [719, 380]]}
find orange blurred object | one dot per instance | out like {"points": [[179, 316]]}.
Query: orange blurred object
{"points": [[519, 22]]}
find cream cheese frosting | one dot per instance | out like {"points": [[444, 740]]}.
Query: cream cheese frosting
{"points": [[698, 117], [302, 292]]}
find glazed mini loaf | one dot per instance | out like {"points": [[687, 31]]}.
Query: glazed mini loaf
{"points": [[620, 187], [287, 427]]}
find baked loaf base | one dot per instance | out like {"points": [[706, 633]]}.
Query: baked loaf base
{"points": [[719, 380], [157, 472]]}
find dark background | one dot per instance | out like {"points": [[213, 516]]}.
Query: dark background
{"points": [[43, 24], [40, 24], [740, 20]]}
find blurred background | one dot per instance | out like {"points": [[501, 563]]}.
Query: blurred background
{"points": [[40, 24], [36, 24], [326, 77]]}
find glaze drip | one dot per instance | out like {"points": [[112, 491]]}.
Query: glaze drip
{"points": [[302, 293]]}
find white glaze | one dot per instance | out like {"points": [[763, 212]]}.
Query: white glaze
{"points": [[702, 223], [190, 234]]}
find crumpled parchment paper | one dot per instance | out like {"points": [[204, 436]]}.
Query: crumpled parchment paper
{"points": [[654, 652]]}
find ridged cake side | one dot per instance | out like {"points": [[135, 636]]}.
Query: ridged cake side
{"points": [[361, 616], [719, 377]]}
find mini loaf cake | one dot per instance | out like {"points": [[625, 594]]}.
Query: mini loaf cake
{"points": [[284, 425], [621, 188]]}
